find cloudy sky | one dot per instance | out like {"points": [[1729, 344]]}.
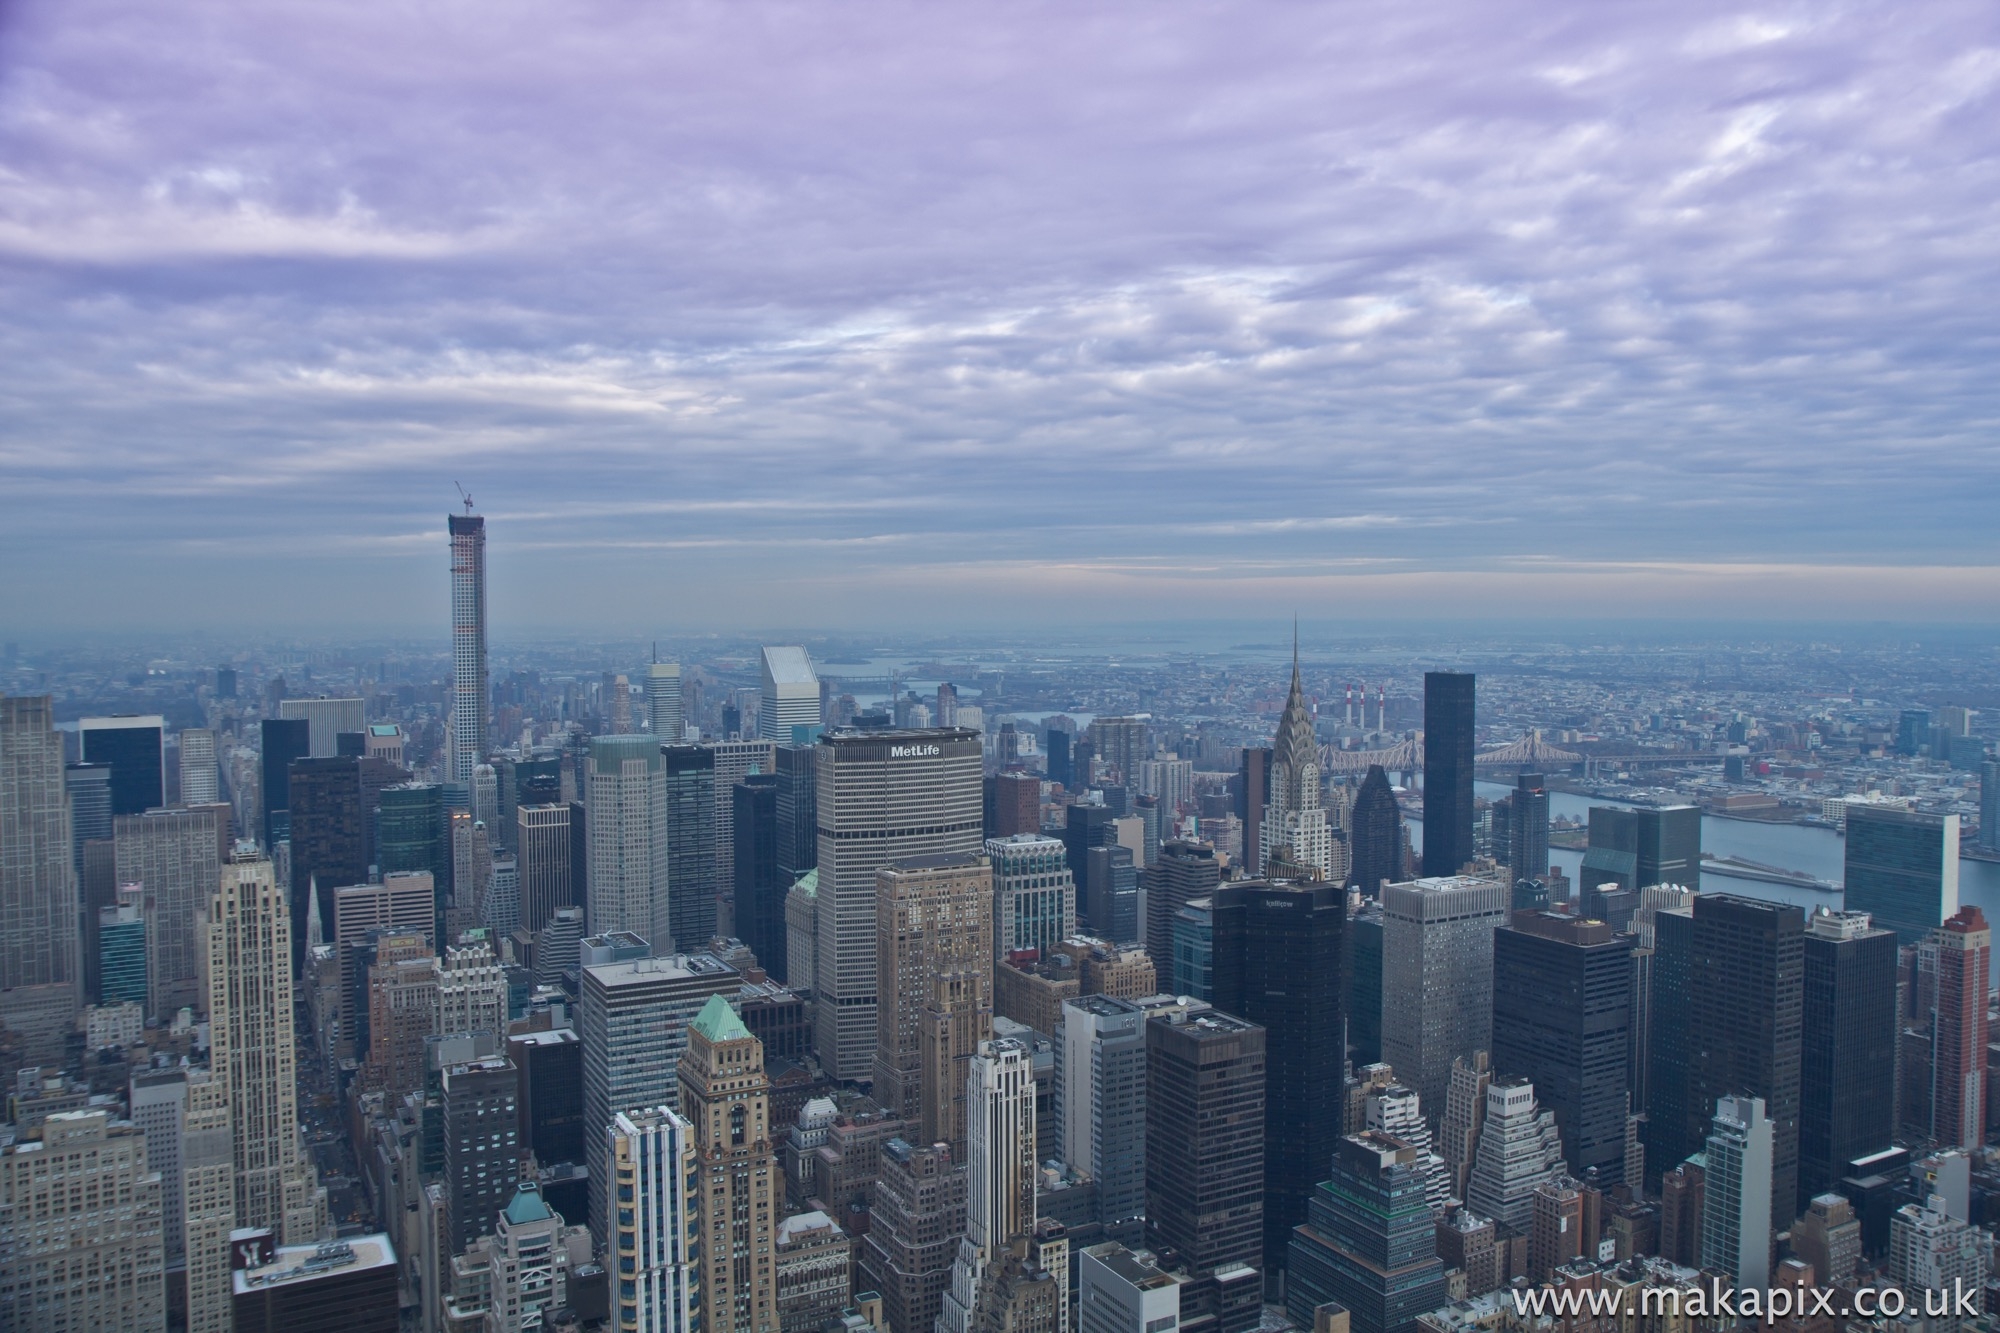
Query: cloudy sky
{"points": [[747, 314]]}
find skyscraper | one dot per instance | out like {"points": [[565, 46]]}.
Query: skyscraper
{"points": [[789, 711], [1034, 895], [1959, 1032], [1527, 851], [734, 761], [1847, 1063], [1017, 804], [326, 721], [482, 1143], [882, 797], [1111, 893], [1736, 1192], [1101, 1106], [136, 749], [692, 832], [798, 815], [1296, 822], [1518, 1149], [253, 1049], [649, 1153], [543, 835], [1369, 1243], [39, 932], [1000, 1186], [1902, 868], [470, 695], [1636, 849], [759, 907], [1252, 790], [633, 1018], [726, 1096], [175, 854], [628, 837], [1122, 743], [283, 740], [1376, 837], [1184, 871], [328, 835], [1736, 978], [958, 1016], [917, 1217], [83, 1228], [1562, 1001], [1437, 977], [663, 703], [1989, 805], [1448, 762], [201, 780], [1205, 1082], [1278, 962], [934, 915]]}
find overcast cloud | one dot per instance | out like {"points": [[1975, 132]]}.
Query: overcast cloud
{"points": [[749, 313]]}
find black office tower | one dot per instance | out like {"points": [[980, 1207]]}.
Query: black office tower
{"points": [[798, 817], [1448, 754], [1527, 850], [1377, 835], [1110, 897], [1252, 790], [329, 837], [1671, 1124], [759, 892], [550, 1096], [135, 750], [1058, 764], [1636, 849], [1744, 976], [1847, 1068], [284, 739], [691, 835], [1278, 962], [1562, 1019], [1205, 1083]]}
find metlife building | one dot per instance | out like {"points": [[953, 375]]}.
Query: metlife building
{"points": [[884, 797]]}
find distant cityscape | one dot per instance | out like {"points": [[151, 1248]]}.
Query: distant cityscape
{"points": [[840, 985]]}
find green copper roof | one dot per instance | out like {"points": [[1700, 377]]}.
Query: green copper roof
{"points": [[527, 1206], [809, 883], [718, 1022]]}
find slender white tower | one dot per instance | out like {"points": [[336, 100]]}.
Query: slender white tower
{"points": [[468, 641]]}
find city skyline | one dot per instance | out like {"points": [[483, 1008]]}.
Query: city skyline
{"points": [[1385, 314]]}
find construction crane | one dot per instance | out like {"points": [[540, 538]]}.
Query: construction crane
{"points": [[464, 495]]}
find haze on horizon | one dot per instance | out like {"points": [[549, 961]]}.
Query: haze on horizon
{"points": [[736, 315]]}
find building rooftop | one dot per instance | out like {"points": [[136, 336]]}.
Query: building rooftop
{"points": [[305, 1263], [717, 1021], [790, 666]]}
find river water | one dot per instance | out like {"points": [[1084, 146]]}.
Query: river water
{"points": [[1815, 851]]}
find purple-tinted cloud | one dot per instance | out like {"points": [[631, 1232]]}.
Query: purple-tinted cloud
{"points": [[1025, 297]]}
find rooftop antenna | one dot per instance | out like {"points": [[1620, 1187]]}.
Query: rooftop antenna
{"points": [[464, 495]]}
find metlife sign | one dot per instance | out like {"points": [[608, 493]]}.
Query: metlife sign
{"points": [[913, 752]]}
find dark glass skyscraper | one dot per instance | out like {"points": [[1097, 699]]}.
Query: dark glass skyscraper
{"points": [[135, 749], [1111, 893], [1278, 961], [1364, 985], [1740, 1026], [1527, 850], [1448, 755], [1636, 849], [798, 822], [1377, 834], [691, 834], [1562, 1006], [284, 739], [1847, 1068], [1902, 869], [758, 887], [329, 837], [1253, 793]]}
